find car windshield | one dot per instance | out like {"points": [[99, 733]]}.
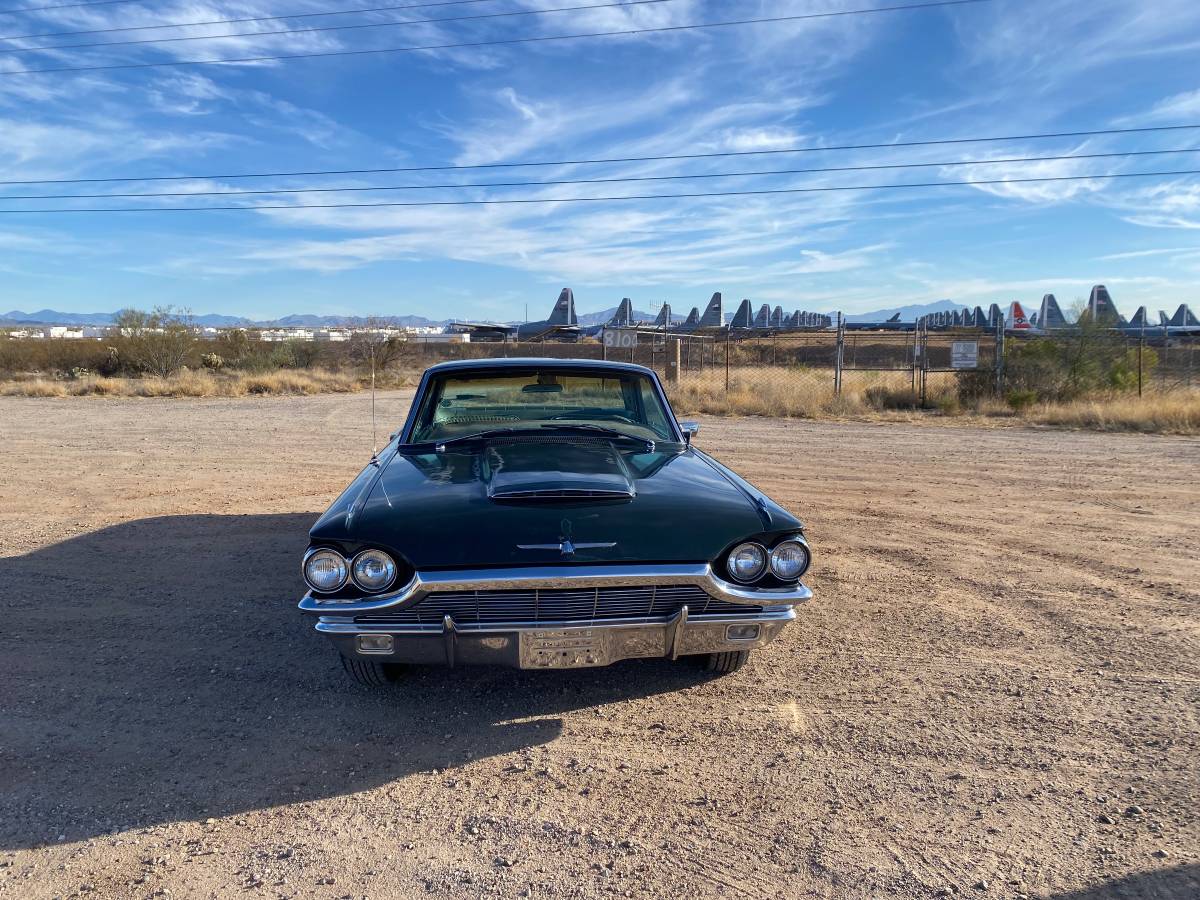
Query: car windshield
{"points": [[459, 404]]}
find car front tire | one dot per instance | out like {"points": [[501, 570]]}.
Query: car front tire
{"points": [[369, 673], [724, 663]]}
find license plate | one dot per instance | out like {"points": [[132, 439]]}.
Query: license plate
{"points": [[562, 648]]}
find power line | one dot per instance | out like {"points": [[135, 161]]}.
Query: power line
{"points": [[527, 200], [632, 178], [663, 29], [309, 15], [25, 9], [618, 159], [349, 27]]}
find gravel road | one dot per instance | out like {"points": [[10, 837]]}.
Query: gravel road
{"points": [[994, 694]]}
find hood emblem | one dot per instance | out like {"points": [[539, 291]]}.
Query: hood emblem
{"points": [[567, 547]]}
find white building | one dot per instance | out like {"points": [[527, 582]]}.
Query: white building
{"points": [[62, 332]]}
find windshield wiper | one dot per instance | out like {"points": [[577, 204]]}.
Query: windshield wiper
{"points": [[613, 433], [439, 446]]}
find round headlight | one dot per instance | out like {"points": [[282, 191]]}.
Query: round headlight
{"points": [[373, 570], [325, 570], [789, 560], [747, 562]]}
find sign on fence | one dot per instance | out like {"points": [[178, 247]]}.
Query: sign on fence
{"points": [[620, 338], [964, 355]]}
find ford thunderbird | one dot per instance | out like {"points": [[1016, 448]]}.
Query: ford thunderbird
{"points": [[549, 514]]}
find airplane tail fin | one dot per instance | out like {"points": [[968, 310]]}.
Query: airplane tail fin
{"points": [[664, 316], [1140, 318], [895, 318], [1101, 307], [763, 317], [744, 317], [624, 314], [1183, 317], [1050, 316], [693, 318], [1016, 320], [564, 310], [714, 314]]}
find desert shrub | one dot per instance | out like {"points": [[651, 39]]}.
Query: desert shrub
{"points": [[973, 385], [885, 397], [156, 342], [110, 362], [1020, 399], [949, 405], [211, 360], [296, 354], [232, 346], [1085, 360]]}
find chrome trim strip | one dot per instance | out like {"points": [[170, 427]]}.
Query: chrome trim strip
{"points": [[340, 625], [449, 637], [550, 577], [676, 631]]}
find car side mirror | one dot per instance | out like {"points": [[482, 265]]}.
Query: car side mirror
{"points": [[690, 430]]}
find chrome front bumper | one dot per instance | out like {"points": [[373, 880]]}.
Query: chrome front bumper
{"points": [[551, 577], [555, 645]]}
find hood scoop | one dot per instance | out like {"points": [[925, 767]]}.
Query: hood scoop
{"points": [[536, 472]]}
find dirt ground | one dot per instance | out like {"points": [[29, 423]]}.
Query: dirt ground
{"points": [[994, 693]]}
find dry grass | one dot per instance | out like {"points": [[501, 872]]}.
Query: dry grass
{"points": [[34, 387], [1175, 413], [887, 396], [768, 392], [791, 393], [189, 384]]}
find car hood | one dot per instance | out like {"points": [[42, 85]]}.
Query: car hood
{"points": [[475, 507]]}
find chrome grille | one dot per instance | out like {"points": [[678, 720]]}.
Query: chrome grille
{"points": [[562, 605]]}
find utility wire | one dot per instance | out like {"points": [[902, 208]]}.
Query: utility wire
{"points": [[541, 39], [25, 9], [633, 178], [617, 159], [336, 12], [349, 27], [525, 200]]}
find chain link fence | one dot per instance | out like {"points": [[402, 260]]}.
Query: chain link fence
{"points": [[804, 373]]}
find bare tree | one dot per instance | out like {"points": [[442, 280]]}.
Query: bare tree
{"points": [[373, 346], [157, 341]]}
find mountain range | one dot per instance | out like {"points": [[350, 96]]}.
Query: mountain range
{"points": [[216, 320]]}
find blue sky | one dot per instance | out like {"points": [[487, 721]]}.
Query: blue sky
{"points": [[1005, 67]]}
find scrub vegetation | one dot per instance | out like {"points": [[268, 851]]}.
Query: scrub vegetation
{"points": [[1086, 378]]}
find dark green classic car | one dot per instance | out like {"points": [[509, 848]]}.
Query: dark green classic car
{"points": [[549, 514]]}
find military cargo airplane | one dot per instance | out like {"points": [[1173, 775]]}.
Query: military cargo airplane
{"points": [[562, 324]]}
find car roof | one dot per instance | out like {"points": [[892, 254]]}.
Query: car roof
{"points": [[455, 365]]}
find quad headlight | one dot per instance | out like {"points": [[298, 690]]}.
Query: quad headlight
{"points": [[325, 570], [747, 562], [373, 570], [789, 560]]}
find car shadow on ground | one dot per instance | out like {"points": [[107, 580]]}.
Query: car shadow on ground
{"points": [[1178, 883], [158, 670]]}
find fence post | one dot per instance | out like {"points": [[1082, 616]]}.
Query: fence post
{"points": [[999, 357], [672, 362], [913, 355], [1141, 347], [727, 360], [837, 357], [925, 366]]}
